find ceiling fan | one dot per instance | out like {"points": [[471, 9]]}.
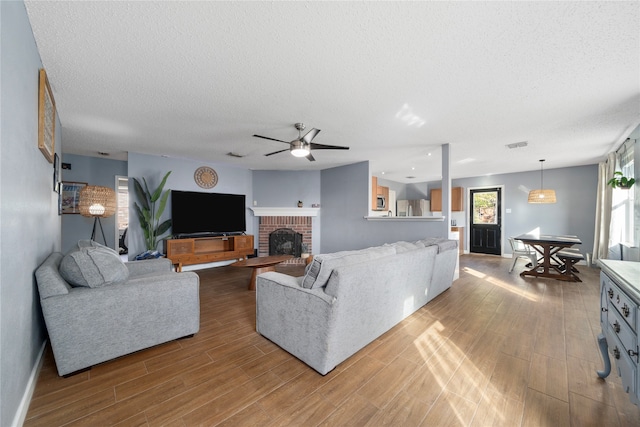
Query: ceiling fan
{"points": [[302, 146]]}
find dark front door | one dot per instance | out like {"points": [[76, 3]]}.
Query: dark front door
{"points": [[486, 221]]}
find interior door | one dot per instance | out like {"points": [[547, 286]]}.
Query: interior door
{"points": [[486, 221]]}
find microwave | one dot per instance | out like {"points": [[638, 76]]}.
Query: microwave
{"points": [[381, 203]]}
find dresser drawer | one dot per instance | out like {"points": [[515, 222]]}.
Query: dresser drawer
{"points": [[626, 370], [619, 328], [617, 299]]}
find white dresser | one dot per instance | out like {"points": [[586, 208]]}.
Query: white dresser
{"points": [[620, 322]]}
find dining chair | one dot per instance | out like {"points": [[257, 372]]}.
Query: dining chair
{"points": [[520, 250]]}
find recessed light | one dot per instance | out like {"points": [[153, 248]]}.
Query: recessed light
{"points": [[428, 154]]}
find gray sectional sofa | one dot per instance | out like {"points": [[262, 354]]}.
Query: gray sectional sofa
{"points": [[97, 308], [348, 299]]}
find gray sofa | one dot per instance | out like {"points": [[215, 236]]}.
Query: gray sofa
{"points": [[118, 312], [348, 299]]}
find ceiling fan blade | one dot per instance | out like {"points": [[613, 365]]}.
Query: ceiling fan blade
{"points": [[271, 139], [276, 152], [310, 157], [310, 135], [327, 147]]}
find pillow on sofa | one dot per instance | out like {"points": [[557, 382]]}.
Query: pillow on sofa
{"points": [[320, 269], [92, 266]]}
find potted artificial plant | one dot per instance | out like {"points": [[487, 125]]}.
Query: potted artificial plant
{"points": [[150, 210], [621, 181]]}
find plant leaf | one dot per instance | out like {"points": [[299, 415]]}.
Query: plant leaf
{"points": [[163, 203], [142, 196], [163, 228], [156, 194]]}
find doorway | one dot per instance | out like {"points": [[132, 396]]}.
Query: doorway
{"points": [[122, 214], [485, 234]]}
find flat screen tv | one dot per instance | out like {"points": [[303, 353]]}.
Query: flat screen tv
{"points": [[194, 213]]}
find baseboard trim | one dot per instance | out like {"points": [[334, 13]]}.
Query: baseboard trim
{"points": [[21, 413]]}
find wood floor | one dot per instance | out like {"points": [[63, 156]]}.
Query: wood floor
{"points": [[493, 350]]}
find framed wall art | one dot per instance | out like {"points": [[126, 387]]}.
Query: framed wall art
{"points": [[46, 118], [70, 197]]}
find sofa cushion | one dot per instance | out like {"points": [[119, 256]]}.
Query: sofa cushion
{"points": [[442, 243], [93, 266], [402, 247], [320, 269]]}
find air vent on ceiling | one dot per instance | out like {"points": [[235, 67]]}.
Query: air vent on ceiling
{"points": [[517, 144]]}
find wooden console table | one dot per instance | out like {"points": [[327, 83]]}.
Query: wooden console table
{"points": [[202, 250]]}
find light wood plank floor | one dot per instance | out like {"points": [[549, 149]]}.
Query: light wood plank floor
{"points": [[493, 350]]}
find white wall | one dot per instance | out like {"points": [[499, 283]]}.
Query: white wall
{"points": [[29, 221]]}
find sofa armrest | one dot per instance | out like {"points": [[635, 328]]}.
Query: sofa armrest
{"points": [[88, 326], [139, 268], [295, 318]]}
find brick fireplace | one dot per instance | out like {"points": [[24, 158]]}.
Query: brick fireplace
{"points": [[269, 224]]}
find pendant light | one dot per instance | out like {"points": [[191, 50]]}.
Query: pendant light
{"points": [[542, 195]]}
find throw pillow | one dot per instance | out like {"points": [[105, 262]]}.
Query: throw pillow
{"points": [[320, 269], [93, 266]]}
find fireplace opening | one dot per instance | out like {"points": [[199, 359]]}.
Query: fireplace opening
{"points": [[285, 241]]}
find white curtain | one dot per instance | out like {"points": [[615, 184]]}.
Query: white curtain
{"points": [[603, 208]]}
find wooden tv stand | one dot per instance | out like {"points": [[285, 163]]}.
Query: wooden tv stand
{"points": [[202, 250]]}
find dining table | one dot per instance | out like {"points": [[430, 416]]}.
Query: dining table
{"points": [[548, 246]]}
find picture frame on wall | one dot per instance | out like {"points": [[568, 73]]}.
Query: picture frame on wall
{"points": [[46, 118], [56, 173], [70, 196]]}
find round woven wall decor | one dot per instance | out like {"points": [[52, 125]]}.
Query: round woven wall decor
{"points": [[205, 177]]}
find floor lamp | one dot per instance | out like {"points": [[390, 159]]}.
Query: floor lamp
{"points": [[97, 202]]}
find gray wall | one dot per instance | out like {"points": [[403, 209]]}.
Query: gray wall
{"points": [[231, 180], [574, 212], [29, 221], [284, 189], [345, 203], [93, 171]]}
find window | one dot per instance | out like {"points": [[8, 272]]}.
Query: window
{"points": [[623, 200]]}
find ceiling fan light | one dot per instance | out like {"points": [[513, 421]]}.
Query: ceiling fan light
{"points": [[300, 148]]}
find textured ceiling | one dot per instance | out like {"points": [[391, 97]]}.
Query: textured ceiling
{"points": [[391, 80]]}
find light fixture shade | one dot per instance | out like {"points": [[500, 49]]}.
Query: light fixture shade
{"points": [[300, 148], [542, 196], [97, 201]]}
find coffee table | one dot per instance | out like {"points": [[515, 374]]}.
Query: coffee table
{"points": [[261, 265]]}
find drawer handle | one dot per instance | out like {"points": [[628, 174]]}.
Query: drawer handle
{"points": [[625, 310], [610, 292], [616, 353], [632, 353], [618, 299], [604, 309], [616, 327]]}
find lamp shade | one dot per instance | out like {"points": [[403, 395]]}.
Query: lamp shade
{"points": [[97, 201], [542, 196]]}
